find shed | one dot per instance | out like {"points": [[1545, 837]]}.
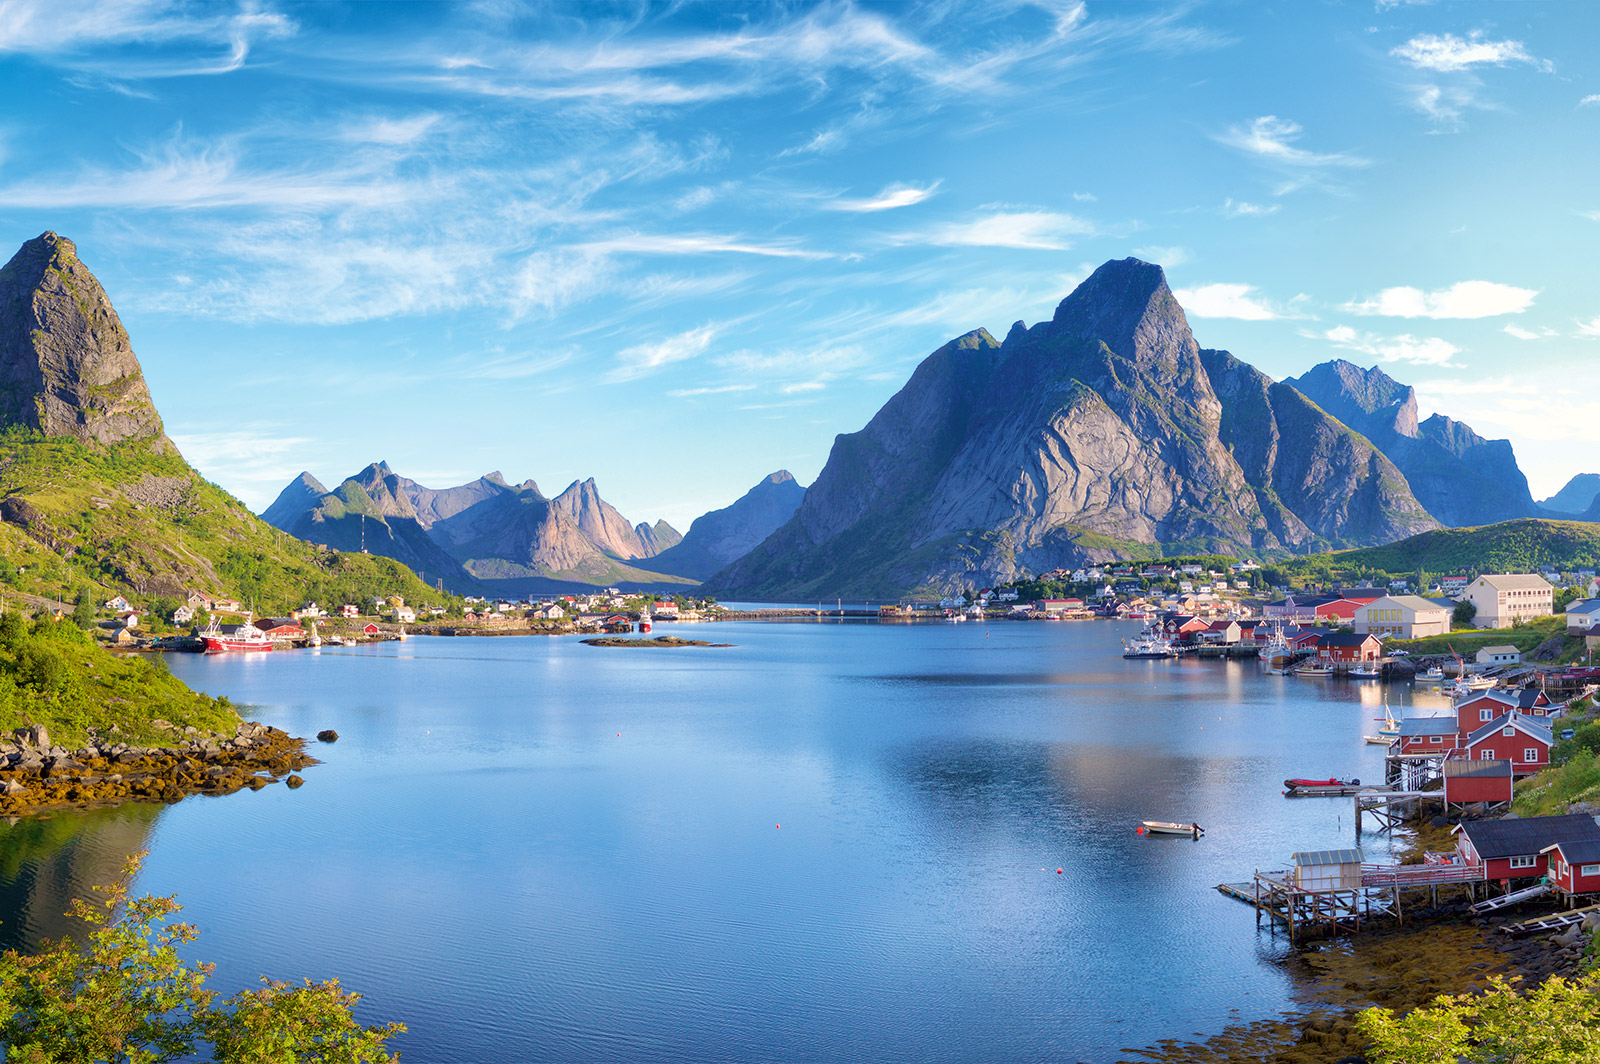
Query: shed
{"points": [[369, 629], [1502, 654], [1327, 869], [1477, 781], [1574, 865], [1509, 849]]}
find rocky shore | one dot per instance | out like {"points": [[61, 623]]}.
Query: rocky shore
{"points": [[37, 775]]}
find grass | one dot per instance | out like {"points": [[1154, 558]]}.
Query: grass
{"points": [[1467, 641], [1574, 772]]}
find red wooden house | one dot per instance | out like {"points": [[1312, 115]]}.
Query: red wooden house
{"points": [[1513, 849], [1574, 865], [1479, 709], [369, 629], [1471, 782], [1524, 741], [1348, 648], [1426, 735]]}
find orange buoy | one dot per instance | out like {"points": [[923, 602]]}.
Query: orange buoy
{"points": [[778, 826], [1058, 871]]}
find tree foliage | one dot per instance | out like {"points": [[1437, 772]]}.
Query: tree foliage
{"points": [[129, 997], [1557, 1022]]}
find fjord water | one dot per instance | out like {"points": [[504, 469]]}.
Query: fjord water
{"points": [[828, 842]]}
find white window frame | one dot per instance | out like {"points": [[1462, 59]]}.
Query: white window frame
{"points": [[1524, 862], [1530, 755], [1486, 754], [1589, 870]]}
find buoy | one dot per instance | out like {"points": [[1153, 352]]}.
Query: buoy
{"points": [[778, 826], [1058, 871], [1139, 830]]}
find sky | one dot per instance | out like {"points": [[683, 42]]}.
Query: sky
{"points": [[676, 248]]}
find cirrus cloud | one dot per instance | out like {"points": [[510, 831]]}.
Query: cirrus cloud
{"points": [[1423, 351], [1447, 52]]}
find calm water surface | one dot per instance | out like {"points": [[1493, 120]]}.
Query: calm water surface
{"points": [[528, 849]]}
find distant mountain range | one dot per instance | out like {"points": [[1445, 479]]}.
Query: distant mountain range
{"points": [[1108, 432], [1580, 495], [488, 536]]}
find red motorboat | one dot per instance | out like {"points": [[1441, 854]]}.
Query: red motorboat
{"points": [[1330, 782]]}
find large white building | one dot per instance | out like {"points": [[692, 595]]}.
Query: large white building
{"points": [[1510, 597], [1402, 617]]}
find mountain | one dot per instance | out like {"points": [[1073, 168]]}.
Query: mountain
{"points": [[96, 499], [298, 496], [1579, 494], [1522, 546], [1104, 432], [726, 535], [485, 535], [1462, 478], [67, 367]]}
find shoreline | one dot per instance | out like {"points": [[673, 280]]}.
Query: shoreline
{"points": [[37, 776]]}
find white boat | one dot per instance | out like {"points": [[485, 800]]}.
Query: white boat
{"points": [[1277, 653], [1148, 644], [1388, 733], [1314, 670], [1368, 671], [1431, 675], [1167, 827]]}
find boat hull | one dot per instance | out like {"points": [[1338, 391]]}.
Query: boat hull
{"points": [[223, 645]]}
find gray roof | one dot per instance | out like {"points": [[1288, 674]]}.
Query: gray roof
{"points": [[1457, 769], [1585, 606], [1577, 851], [1538, 729], [1499, 648], [1428, 726], [1524, 836], [1319, 858], [1515, 581]]}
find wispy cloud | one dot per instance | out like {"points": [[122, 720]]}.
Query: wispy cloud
{"points": [[1225, 301], [890, 198], [1273, 139], [1447, 52], [1591, 100], [1464, 299], [1029, 230], [1589, 328], [643, 359], [1169, 257], [1424, 351], [1542, 333], [1244, 209]]}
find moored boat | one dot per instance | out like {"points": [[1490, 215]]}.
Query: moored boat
{"points": [[1367, 671], [1167, 827], [240, 638], [1314, 670], [1148, 644]]}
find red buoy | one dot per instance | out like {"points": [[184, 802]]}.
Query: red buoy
{"points": [[1058, 871], [778, 826]]}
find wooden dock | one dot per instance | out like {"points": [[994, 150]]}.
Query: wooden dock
{"points": [[1385, 893], [1555, 922], [1392, 808]]}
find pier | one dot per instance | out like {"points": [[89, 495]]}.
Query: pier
{"points": [[1344, 904]]}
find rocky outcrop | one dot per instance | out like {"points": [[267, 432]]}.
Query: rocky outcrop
{"points": [[1103, 431], [66, 365], [726, 535], [1462, 478], [1576, 497]]}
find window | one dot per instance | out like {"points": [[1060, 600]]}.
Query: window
{"points": [[1589, 870], [1435, 738], [1530, 755], [1485, 715], [1486, 754], [1508, 731], [1524, 862]]}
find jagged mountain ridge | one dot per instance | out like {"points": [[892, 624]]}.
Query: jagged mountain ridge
{"points": [[1104, 431], [1460, 477], [485, 534], [714, 539]]}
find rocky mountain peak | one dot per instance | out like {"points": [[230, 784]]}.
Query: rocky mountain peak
{"points": [[1126, 304], [66, 365]]}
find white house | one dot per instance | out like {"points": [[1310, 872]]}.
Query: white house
{"points": [[1504, 598], [1583, 615], [1499, 655], [1402, 617], [118, 603], [182, 615], [549, 612], [404, 614]]}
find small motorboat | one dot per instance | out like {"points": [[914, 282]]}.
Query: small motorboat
{"points": [[1314, 670], [1296, 784], [1378, 740], [1365, 672], [1432, 675], [1167, 827]]}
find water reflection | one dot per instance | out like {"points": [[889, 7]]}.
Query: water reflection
{"points": [[45, 862]]}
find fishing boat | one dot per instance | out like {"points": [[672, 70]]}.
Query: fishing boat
{"points": [[1366, 671], [1167, 827], [1433, 674], [1277, 653], [243, 638], [1314, 670], [1148, 644]]}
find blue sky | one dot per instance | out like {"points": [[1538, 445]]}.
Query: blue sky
{"points": [[676, 248]]}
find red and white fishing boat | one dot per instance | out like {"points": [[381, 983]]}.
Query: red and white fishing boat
{"points": [[243, 638]]}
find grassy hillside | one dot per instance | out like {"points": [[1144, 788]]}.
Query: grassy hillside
{"points": [[1511, 546], [1525, 637], [133, 520]]}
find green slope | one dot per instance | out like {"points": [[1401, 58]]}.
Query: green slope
{"points": [[1510, 546]]}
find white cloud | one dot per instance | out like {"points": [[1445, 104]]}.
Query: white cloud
{"points": [[1464, 299], [394, 131], [1034, 230], [1593, 216], [1085, 197], [697, 244], [1272, 138], [891, 197], [1163, 256], [1592, 100], [1423, 351], [1243, 209], [1224, 301], [1447, 52], [1528, 334], [1589, 328], [721, 389], [643, 359]]}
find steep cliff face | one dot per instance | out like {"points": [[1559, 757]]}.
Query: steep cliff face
{"points": [[728, 534], [298, 496], [66, 365], [1102, 431], [600, 522], [1462, 478]]}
